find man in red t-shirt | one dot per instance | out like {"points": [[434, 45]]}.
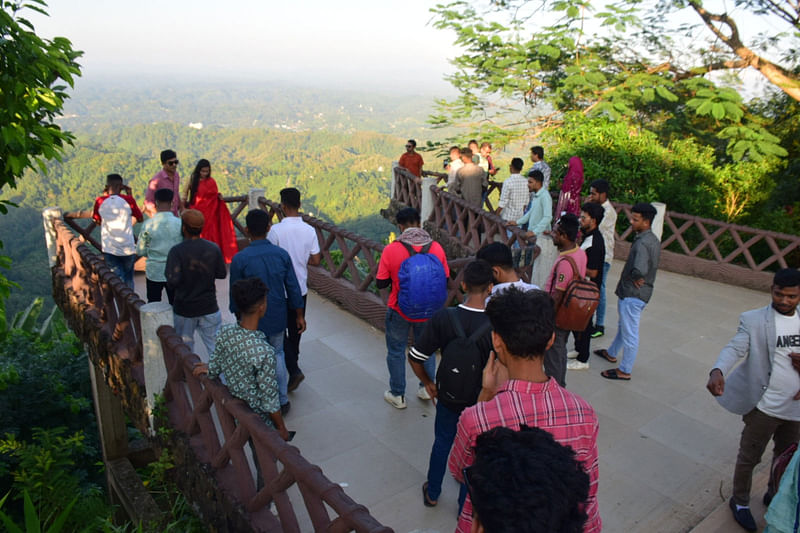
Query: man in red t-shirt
{"points": [[411, 160], [565, 235], [397, 323]]}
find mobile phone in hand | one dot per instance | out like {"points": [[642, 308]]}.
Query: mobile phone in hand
{"points": [[291, 436]]}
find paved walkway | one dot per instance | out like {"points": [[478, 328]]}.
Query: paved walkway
{"points": [[666, 447]]}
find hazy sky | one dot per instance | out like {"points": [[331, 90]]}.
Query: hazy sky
{"points": [[357, 43]]}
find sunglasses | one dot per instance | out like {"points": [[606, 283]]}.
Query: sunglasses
{"points": [[173, 162]]}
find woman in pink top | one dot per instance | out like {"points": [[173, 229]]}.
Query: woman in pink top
{"points": [[569, 200], [204, 196]]}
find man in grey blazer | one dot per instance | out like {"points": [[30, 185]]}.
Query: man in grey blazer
{"points": [[764, 387]]}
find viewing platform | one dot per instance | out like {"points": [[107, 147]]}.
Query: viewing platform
{"points": [[666, 448]]}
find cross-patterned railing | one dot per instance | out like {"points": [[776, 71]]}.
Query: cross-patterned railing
{"points": [[99, 292], [192, 403], [471, 226], [407, 188], [716, 250]]}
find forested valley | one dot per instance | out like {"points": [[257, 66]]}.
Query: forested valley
{"points": [[318, 142]]}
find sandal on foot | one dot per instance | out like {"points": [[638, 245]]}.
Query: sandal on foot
{"points": [[613, 373], [605, 355], [426, 501]]}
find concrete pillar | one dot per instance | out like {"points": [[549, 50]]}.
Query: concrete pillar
{"points": [[48, 215], [658, 222], [426, 205], [544, 263], [154, 315], [394, 180], [253, 196]]}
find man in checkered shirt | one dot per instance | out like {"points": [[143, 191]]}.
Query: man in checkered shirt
{"points": [[515, 195]]}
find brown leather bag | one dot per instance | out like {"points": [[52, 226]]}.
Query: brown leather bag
{"points": [[581, 298]]}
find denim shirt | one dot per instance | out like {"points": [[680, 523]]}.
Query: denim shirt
{"points": [[272, 264]]}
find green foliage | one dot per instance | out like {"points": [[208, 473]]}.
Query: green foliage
{"points": [[519, 75], [47, 476], [32, 523], [640, 168], [34, 71], [45, 384]]}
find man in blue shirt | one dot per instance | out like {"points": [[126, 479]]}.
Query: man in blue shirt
{"points": [[540, 212], [271, 264]]}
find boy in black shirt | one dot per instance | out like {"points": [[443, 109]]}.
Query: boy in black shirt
{"points": [[192, 267], [594, 246], [438, 333]]}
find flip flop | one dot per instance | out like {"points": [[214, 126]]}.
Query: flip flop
{"points": [[604, 354], [613, 374], [427, 502]]}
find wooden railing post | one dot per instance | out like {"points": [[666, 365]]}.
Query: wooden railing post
{"points": [[154, 315], [110, 416], [48, 215]]}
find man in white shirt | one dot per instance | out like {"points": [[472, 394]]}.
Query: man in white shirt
{"points": [[453, 166], [765, 385], [515, 195], [116, 212], [598, 194], [300, 241]]}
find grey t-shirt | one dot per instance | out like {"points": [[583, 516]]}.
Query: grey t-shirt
{"points": [[642, 262]]}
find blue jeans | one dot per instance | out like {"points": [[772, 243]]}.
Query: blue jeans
{"points": [[207, 325], [627, 338], [122, 266], [396, 342], [600, 316], [444, 432], [276, 341]]}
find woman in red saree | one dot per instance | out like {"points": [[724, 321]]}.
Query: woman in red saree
{"points": [[204, 196], [569, 200]]}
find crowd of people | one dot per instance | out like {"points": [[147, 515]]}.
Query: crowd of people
{"points": [[503, 415]]}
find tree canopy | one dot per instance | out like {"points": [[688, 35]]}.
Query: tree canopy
{"points": [[34, 75], [528, 64]]}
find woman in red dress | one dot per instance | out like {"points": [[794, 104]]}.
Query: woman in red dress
{"points": [[569, 200], [204, 196]]}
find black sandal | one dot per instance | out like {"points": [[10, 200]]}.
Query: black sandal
{"points": [[605, 355]]}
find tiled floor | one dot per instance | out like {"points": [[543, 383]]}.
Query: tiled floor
{"points": [[666, 447]]}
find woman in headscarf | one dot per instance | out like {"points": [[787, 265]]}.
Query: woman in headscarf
{"points": [[569, 200], [203, 195]]}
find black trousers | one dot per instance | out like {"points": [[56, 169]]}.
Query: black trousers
{"points": [[154, 289], [291, 340]]}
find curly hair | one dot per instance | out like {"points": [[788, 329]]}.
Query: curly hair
{"points": [[247, 293], [526, 482], [525, 320]]}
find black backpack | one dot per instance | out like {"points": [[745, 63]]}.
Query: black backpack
{"points": [[458, 379]]}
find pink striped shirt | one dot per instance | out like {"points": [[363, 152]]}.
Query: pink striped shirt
{"points": [[564, 414]]}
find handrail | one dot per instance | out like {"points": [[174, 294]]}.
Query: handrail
{"points": [[190, 401], [407, 188], [98, 292], [101, 291], [471, 226], [85, 232], [241, 203]]}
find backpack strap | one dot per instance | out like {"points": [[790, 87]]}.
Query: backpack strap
{"points": [[452, 312], [481, 331], [411, 250], [575, 272]]}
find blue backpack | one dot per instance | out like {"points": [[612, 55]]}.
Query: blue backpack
{"points": [[422, 284]]}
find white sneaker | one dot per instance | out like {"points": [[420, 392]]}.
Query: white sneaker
{"points": [[577, 365], [422, 394], [398, 402], [572, 355]]}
